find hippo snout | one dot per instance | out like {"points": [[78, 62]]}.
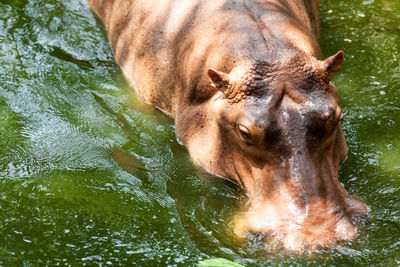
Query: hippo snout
{"points": [[295, 229]]}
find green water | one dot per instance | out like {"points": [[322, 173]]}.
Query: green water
{"points": [[90, 175]]}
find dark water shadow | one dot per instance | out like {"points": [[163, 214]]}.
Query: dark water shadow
{"points": [[118, 118], [83, 64], [15, 3]]}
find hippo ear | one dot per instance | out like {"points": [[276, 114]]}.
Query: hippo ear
{"points": [[332, 64], [219, 79]]}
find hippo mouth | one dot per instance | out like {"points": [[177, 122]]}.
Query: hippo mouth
{"points": [[297, 216], [298, 230]]}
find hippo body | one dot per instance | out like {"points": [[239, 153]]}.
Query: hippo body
{"points": [[252, 101]]}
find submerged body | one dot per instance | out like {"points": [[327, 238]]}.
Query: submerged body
{"points": [[252, 102]]}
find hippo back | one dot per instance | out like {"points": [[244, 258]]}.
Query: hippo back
{"points": [[166, 47]]}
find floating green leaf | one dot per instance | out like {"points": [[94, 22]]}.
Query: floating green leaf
{"points": [[218, 262]]}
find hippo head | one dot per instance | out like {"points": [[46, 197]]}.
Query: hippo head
{"points": [[274, 130]]}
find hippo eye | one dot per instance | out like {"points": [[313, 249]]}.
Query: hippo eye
{"points": [[244, 132]]}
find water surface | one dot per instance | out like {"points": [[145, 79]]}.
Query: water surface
{"points": [[91, 175]]}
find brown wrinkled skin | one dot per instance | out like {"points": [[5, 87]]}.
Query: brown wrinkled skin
{"points": [[252, 101]]}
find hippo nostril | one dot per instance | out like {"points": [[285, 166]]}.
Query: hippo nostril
{"points": [[328, 114], [325, 121]]}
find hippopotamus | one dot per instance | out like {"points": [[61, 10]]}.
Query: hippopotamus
{"points": [[252, 101]]}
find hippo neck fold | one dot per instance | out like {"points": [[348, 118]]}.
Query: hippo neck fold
{"points": [[287, 24]]}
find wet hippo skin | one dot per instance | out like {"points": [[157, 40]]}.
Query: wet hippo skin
{"points": [[253, 102]]}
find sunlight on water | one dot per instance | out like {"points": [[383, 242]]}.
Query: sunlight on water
{"points": [[91, 175]]}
